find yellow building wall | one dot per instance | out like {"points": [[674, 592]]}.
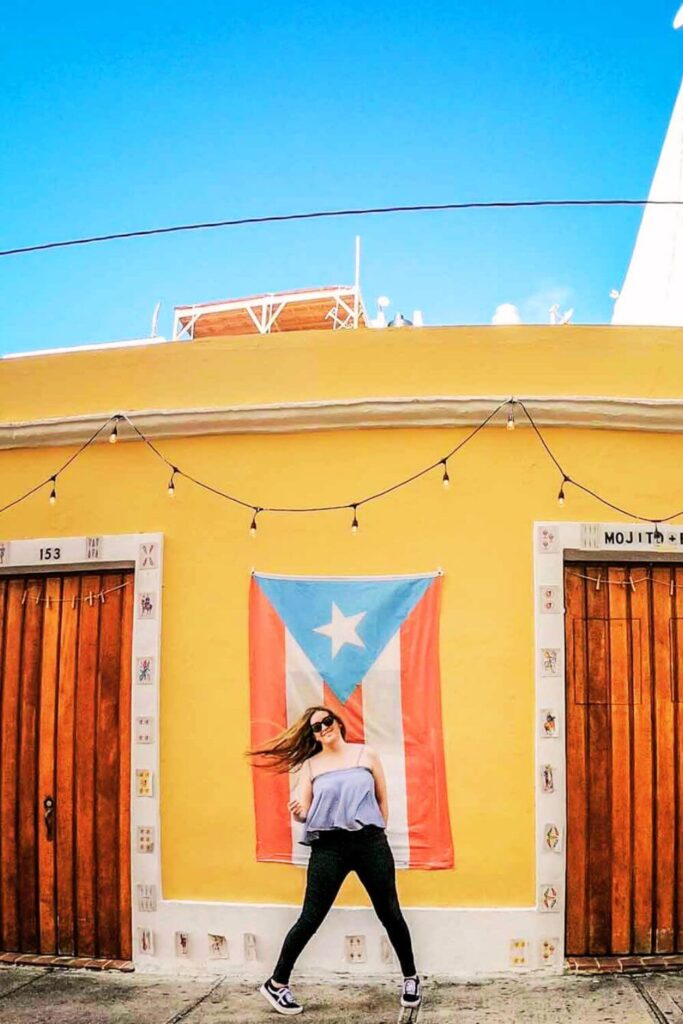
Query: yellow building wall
{"points": [[479, 533]]}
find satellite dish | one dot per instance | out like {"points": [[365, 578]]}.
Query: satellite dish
{"points": [[678, 20]]}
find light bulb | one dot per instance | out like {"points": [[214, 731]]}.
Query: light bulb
{"points": [[171, 484], [114, 436], [253, 527], [354, 524], [511, 418], [560, 496], [53, 492], [446, 481]]}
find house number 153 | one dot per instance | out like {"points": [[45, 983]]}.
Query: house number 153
{"points": [[50, 554]]}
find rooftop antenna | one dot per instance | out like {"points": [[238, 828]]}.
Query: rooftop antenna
{"points": [[558, 318], [155, 320], [381, 319]]}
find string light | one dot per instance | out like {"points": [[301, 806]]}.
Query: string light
{"points": [[253, 527], [511, 415], [560, 496], [114, 436], [112, 421]]}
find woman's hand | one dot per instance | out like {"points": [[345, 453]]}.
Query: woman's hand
{"points": [[297, 810]]}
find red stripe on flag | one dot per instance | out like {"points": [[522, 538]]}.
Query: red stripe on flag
{"points": [[351, 713], [429, 828], [268, 717]]}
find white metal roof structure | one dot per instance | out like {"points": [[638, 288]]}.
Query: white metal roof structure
{"points": [[652, 293], [333, 308]]}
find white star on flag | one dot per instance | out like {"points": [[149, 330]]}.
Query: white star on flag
{"points": [[342, 629]]}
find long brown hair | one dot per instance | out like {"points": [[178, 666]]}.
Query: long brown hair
{"points": [[293, 746]]}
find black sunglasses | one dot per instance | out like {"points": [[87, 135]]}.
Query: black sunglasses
{"points": [[324, 723]]}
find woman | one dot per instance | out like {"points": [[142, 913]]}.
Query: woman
{"points": [[343, 802]]}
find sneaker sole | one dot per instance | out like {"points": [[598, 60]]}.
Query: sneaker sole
{"points": [[277, 1006]]}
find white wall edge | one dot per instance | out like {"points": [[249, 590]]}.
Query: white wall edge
{"points": [[581, 411]]}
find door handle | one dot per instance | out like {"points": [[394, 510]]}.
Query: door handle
{"points": [[48, 817]]}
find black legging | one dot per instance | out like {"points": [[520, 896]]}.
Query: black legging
{"points": [[333, 856]]}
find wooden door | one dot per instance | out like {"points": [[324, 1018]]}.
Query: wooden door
{"points": [[624, 644], [65, 653]]}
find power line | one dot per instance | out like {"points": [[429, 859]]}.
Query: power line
{"points": [[329, 214]]}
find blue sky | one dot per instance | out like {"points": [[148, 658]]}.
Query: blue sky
{"points": [[126, 116]]}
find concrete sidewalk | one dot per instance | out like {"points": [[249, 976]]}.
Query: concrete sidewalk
{"points": [[38, 996]]}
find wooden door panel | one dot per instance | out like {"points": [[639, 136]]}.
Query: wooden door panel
{"points": [[623, 653], [577, 793], [624, 779], [84, 768], [64, 822], [49, 675], [599, 851], [65, 653], [14, 615]]}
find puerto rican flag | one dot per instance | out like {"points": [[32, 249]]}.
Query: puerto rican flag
{"points": [[368, 649]]}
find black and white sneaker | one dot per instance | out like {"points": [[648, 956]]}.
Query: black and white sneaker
{"points": [[281, 999], [412, 992]]}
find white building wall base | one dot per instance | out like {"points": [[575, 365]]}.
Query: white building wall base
{"points": [[449, 942]]}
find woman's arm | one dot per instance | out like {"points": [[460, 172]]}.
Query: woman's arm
{"points": [[375, 765], [301, 803]]}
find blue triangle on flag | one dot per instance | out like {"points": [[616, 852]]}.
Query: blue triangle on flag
{"points": [[343, 625]]}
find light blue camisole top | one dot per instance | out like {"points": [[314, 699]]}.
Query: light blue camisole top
{"points": [[343, 798]]}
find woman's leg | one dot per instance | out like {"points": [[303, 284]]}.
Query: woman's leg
{"points": [[327, 869], [374, 865]]}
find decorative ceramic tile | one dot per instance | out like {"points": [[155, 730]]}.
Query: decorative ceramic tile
{"points": [[549, 951], [547, 778], [4, 552], [182, 943], [144, 670], [519, 949], [250, 949], [218, 947], [93, 548], [146, 941], [147, 606], [548, 540], [355, 949], [549, 899], [147, 557], [147, 897], [144, 730], [590, 536], [145, 839], [552, 837], [551, 600], [550, 661], [549, 724], [144, 782]]}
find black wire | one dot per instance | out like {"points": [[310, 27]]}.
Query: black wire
{"points": [[323, 214], [347, 505], [53, 476], [588, 490]]}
